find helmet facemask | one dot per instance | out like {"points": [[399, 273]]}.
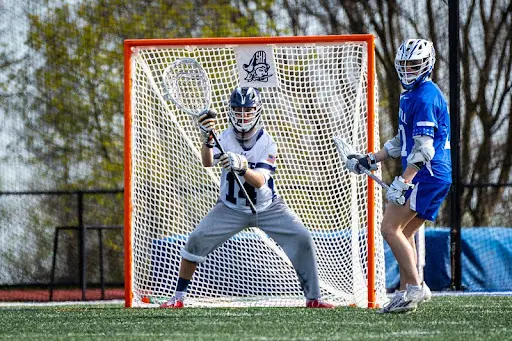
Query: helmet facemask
{"points": [[244, 119], [414, 62], [245, 112]]}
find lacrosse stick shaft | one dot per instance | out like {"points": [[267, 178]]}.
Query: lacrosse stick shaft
{"points": [[216, 139], [345, 149], [374, 177], [237, 179]]}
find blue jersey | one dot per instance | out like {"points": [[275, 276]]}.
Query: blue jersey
{"points": [[423, 111]]}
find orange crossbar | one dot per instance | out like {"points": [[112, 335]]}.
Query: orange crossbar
{"points": [[130, 43], [247, 40]]}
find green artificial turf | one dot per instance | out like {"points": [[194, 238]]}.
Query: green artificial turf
{"points": [[468, 318]]}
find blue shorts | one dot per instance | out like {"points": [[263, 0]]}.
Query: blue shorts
{"points": [[427, 197]]}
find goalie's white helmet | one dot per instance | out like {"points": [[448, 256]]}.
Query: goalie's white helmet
{"points": [[245, 109], [414, 61]]}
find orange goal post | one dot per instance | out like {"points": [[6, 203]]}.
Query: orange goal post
{"points": [[313, 88]]}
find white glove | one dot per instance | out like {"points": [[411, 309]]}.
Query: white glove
{"points": [[396, 192], [354, 160], [206, 123], [234, 162]]}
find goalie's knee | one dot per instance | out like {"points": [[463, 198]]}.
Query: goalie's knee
{"points": [[303, 239], [195, 249], [191, 257]]}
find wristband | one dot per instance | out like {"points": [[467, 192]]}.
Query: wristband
{"points": [[401, 179]]}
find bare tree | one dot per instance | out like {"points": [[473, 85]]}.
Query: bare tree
{"points": [[486, 137], [486, 34]]}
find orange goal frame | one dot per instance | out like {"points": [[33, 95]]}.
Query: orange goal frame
{"points": [[129, 44]]}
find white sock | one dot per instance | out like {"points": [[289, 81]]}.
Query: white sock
{"points": [[413, 288], [180, 294]]}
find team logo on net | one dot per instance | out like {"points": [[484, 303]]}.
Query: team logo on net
{"points": [[257, 68]]}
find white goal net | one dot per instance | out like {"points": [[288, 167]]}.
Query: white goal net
{"points": [[319, 89]]}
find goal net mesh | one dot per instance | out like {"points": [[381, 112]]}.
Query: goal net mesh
{"points": [[321, 92]]}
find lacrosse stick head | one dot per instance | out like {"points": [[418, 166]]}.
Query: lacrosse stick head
{"points": [[343, 147], [187, 85]]}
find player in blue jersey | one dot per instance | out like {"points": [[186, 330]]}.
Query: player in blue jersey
{"points": [[423, 143], [251, 153]]}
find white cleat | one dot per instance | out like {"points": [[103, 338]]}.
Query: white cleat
{"points": [[408, 300], [418, 295], [400, 303]]}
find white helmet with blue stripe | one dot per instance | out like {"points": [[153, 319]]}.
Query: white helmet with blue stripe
{"points": [[414, 61]]}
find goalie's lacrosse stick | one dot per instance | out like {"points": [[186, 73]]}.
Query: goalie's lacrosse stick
{"points": [[345, 149], [187, 85]]}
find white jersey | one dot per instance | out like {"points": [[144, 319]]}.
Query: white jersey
{"points": [[262, 158]]}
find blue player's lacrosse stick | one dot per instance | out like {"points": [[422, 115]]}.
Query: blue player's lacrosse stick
{"points": [[345, 149]]}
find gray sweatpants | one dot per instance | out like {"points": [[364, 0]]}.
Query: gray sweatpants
{"points": [[278, 221]]}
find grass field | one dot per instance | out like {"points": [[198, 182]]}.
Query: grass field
{"points": [[468, 318]]}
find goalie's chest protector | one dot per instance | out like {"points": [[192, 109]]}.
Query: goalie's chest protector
{"points": [[262, 157]]}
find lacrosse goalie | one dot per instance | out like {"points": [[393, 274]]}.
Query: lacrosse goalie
{"points": [[250, 152]]}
